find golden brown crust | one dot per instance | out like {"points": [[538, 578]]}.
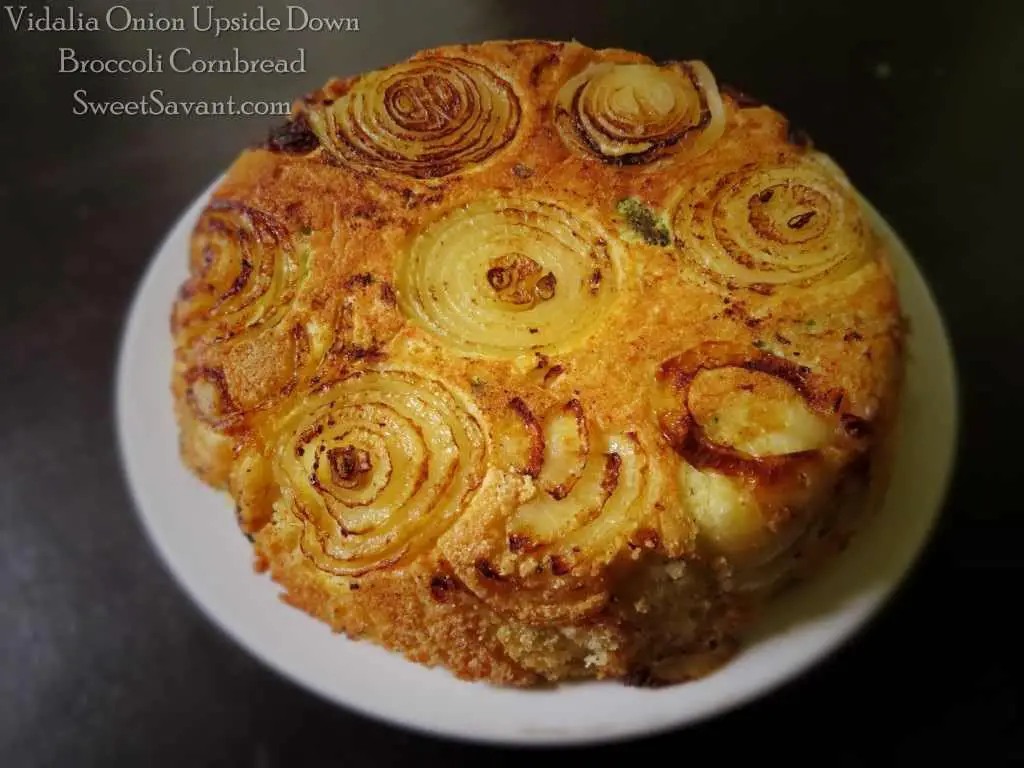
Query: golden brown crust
{"points": [[538, 362]]}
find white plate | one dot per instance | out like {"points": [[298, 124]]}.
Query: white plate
{"points": [[193, 528]]}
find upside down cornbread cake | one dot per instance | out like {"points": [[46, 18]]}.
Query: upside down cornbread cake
{"points": [[538, 362]]}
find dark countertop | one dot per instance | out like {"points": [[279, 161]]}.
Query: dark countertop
{"points": [[104, 662]]}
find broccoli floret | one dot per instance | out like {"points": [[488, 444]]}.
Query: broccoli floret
{"points": [[643, 221]]}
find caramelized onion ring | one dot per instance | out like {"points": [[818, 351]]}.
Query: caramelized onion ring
{"points": [[499, 277], [753, 509], [689, 439], [635, 113], [546, 559], [246, 269], [376, 466], [767, 225], [244, 272], [426, 118]]}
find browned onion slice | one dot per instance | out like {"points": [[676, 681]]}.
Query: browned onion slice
{"points": [[635, 113], [566, 448], [690, 439], [246, 270], [375, 466], [770, 224], [498, 277], [753, 507], [521, 439], [543, 554], [426, 118]]}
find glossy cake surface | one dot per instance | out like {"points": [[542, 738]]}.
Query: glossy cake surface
{"points": [[538, 362]]}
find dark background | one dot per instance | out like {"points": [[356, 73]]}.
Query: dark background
{"points": [[104, 662]]}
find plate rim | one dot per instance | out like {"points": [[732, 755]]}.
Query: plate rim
{"points": [[865, 616]]}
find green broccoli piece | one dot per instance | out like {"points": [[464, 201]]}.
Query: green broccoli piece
{"points": [[644, 222]]}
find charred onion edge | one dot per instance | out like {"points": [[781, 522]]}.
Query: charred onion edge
{"points": [[682, 432], [742, 99], [535, 461], [215, 375], [440, 585], [293, 137], [560, 490]]}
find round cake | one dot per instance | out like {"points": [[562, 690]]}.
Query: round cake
{"points": [[538, 362]]}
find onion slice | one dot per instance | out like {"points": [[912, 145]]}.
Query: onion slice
{"points": [[545, 557], [498, 277], [246, 270], [427, 118], [751, 509], [771, 224], [375, 466], [634, 113]]}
